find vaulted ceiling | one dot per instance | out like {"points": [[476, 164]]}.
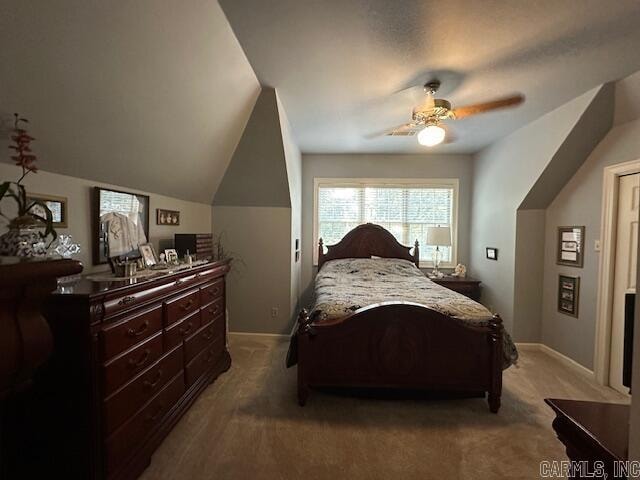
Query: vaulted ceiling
{"points": [[148, 94], [341, 67]]}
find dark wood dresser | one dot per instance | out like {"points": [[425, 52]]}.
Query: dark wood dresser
{"points": [[593, 432], [464, 285], [131, 358]]}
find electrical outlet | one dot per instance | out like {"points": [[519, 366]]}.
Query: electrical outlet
{"points": [[274, 312], [596, 245]]}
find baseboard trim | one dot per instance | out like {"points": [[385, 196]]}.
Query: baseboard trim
{"points": [[252, 334], [568, 362]]}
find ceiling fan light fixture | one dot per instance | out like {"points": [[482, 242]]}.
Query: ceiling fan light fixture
{"points": [[431, 135]]}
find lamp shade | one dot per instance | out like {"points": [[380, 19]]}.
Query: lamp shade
{"points": [[439, 236]]}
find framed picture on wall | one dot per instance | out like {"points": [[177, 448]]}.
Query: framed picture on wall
{"points": [[570, 246], [167, 217], [57, 206], [568, 295], [492, 253]]}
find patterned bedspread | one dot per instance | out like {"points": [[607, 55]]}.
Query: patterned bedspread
{"points": [[343, 286]]}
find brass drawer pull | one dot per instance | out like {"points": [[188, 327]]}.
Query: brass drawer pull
{"points": [[127, 300], [214, 291], [141, 329], [210, 355], [143, 359], [188, 305], [149, 384], [156, 415], [178, 283], [185, 331]]}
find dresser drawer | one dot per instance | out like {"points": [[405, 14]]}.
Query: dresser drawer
{"points": [[212, 311], [125, 402], [176, 333], [178, 308], [211, 292], [120, 336], [123, 368], [120, 303], [127, 439], [204, 361], [202, 338]]}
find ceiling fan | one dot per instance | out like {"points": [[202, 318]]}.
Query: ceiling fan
{"points": [[428, 117]]}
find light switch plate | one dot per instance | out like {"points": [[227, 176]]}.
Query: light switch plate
{"points": [[596, 245]]}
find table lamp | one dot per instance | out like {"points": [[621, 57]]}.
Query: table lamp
{"points": [[438, 237]]}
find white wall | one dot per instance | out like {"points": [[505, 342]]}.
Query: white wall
{"points": [[194, 217], [503, 174], [381, 166]]}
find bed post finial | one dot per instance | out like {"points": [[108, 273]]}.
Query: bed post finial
{"points": [[416, 253], [320, 252]]}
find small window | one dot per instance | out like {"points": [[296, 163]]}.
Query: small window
{"points": [[404, 207]]}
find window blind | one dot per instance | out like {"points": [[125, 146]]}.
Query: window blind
{"points": [[405, 210]]}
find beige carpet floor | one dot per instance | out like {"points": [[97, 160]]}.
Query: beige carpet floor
{"points": [[247, 425]]}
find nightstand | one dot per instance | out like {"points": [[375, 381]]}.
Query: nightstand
{"points": [[466, 286]]}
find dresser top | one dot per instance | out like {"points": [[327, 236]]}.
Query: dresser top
{"points": [[85, 287], [605, 424]]}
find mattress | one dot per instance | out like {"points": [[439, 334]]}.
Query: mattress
{"points": [[346, 285]]}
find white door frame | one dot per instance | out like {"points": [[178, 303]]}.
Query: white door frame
{"points": [[602, 353]]}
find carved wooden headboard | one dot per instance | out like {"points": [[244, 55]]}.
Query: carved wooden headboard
{"points": [[364, 241]]}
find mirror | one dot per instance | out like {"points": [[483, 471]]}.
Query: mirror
{"points": [[120, 224]]}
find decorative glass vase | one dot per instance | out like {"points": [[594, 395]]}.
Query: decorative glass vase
{"points": [[23, 239]]}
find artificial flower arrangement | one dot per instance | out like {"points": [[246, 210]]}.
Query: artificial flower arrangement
{"points": [[26, 217]]}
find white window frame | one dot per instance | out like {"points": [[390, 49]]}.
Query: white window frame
{"points": [[453, 183]]}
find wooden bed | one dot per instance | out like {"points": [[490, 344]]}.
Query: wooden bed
{"points": [[396, 344]]}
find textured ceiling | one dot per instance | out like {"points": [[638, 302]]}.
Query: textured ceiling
{"points": [[147, 94], [339, 65]]}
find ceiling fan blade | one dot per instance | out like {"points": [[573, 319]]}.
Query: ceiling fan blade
{"points": [[403, 130], [469, 110]]}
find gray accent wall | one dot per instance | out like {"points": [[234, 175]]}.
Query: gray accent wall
{"points": [[257, 174], [381, 166], [147, 95], [257, 210], [580, 203], [503, 175]]}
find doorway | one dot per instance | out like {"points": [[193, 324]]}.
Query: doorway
{"points": [[625, 264], [608, 344]]}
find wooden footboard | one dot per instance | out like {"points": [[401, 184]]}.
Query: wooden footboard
{"points": [[400, 345]]}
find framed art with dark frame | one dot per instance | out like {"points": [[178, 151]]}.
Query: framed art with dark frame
{"points": [[568, 295], [107, 202], [570, 248], [492, 253], [167, 217]]}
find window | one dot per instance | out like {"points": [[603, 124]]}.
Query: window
{"points": [[404, 207]]}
